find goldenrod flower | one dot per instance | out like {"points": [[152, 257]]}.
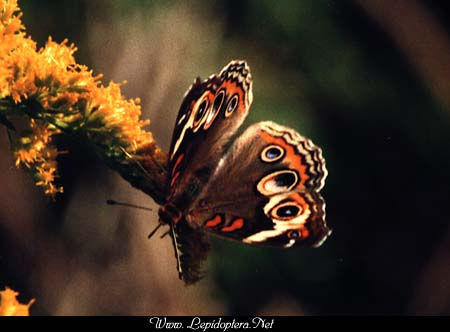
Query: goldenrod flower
{"points": [[59, 96], [9, 306]]}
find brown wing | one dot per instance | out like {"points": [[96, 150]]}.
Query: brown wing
{"points": [[266, 190], [210, 114]]}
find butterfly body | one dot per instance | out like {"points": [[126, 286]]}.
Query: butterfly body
{"points": [[262, 188]]}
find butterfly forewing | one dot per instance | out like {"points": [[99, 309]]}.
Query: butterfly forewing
{"points": [[210, 114], [211, 111]]}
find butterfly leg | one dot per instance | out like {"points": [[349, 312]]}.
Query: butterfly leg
{"points": [[155, 230], [169, 214], [177, 250], [165, 234]]}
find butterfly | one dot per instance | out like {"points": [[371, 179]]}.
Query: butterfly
{"points": [[261, 188]]}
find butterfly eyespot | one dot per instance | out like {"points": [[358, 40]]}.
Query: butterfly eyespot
{"points": [[231, 105], [217, 104], [294, 234], [272, 153], [286, 211], [278, 182], [218, 100], [201, 111], [285, 179]]}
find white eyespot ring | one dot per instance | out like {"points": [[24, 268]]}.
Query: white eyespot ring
{"points": [[272, 153], [278, 182], [215, 109], [200, 111]]}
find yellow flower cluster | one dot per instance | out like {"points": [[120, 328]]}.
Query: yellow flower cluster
{"points": [[38, 154], [9, 306], [57, 95]]}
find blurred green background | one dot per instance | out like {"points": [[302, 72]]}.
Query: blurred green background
{"points": [[368, 81]]}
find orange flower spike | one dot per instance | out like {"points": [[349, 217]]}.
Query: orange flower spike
{"points": [[10, 23], [9, 306]]}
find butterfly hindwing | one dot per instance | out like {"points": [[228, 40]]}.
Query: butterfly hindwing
{"points": [[266, 190]]}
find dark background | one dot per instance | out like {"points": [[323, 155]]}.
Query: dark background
{"points": [[368, 81]]}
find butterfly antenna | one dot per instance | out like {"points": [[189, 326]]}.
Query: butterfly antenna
{"points": [[177, 251], [113, 202]]}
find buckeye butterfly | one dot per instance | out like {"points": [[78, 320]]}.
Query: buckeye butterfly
{"points": [[261, 189]]}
